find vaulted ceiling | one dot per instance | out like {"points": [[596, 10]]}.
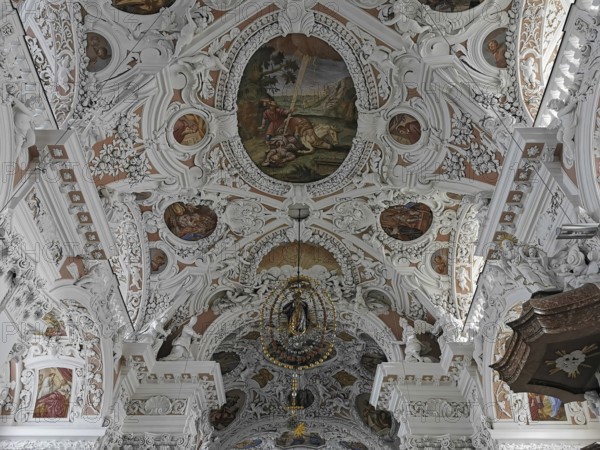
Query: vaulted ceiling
{"points": [[191, 133]]}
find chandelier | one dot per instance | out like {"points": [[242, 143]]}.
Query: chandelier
{"points": [[298, 322]]}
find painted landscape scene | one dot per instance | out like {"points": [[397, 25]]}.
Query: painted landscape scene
{"points": [[297, 109]]}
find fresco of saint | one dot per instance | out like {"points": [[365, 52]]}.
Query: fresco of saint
{"points": [[98, 51], [405, 129], [495, 48], [190, 222], [189, 130], [54, 393], [406, 222]]}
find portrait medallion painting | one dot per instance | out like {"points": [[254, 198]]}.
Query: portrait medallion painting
{"points": [[189, 130], [98, 51], [224, 416], [54, 393], [451, 5], [158, 261], [296, 109], [545, 408], [439, 261], [142, 7], [494, 48], [190, 222], [405, 129], [379, 421], [406, 222]]}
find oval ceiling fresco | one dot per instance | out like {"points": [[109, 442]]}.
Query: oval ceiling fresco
{"points": [[190, 222], [406, 222], [297, 112], [494, 48], [98, 51], [142, 7]]}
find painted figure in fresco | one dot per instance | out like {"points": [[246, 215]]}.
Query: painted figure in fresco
{"points": [[98, 52], [190, 222], [544, 407], [498, 51], [223, 417], [141, 6], [53, 401], [405, 129], [158, 260], [273, 119], [406, 222], [281, 150], [47, 385], [189, 129], [440, 264], [377, 420]]}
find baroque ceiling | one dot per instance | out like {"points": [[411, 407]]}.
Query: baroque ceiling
{"points": [[185, 138]]}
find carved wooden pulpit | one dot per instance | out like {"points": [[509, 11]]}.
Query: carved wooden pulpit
{"points": [[555, 347]]}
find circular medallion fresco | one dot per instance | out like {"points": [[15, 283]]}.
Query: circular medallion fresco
{"points": [[405, 129], [158, 261], [296, 109], [142, 7], [189, 130], [406, 222], [494, 48], [98, 51], [190, 222]]}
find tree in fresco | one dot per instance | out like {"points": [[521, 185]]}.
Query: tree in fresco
{"points": [[262, 77]]}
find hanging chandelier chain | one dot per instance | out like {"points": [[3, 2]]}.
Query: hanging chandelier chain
{"points": [[299, 247]]}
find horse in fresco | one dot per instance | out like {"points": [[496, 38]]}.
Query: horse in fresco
{"points": [[312, 137]]}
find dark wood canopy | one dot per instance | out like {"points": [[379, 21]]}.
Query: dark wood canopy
{"points": [[555, 348]]}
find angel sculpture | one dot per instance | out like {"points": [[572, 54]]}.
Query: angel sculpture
{"points": [[395, 15], [447, 324], [204, 63], [414, 348], [24, 134], [192, 26], [181, 345]]}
